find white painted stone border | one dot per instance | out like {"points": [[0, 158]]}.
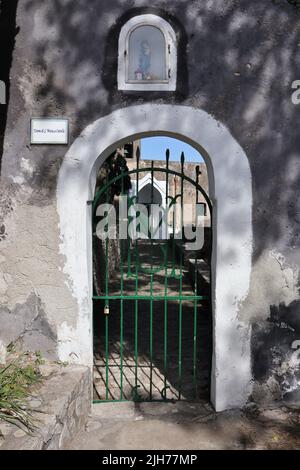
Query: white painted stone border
{"points": [[171, 56], [231, 193]]}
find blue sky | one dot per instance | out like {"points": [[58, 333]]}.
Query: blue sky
{"points": [[154, 148]]}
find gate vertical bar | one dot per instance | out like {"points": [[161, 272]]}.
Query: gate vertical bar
{"points": [[151, 231], [136, 283], [122, 300], [151, 336], [174, 227], [106, 308], [166, 278], [196, 293], [180, 281]]}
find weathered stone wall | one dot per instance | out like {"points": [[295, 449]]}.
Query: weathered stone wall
{"points": [[61, 406], [237, 60]]}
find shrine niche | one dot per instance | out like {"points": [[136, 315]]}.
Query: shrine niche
{"points": [[147, 55]]}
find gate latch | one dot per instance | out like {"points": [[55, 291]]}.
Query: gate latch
{"points": [[106, 310]]}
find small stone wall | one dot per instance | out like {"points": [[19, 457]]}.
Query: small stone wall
{"points": [[62, 403]]}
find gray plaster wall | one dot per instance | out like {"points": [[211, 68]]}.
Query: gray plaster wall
{"points": [[237, 61]]}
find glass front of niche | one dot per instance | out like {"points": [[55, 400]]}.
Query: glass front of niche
{"points": [[146, 55]]}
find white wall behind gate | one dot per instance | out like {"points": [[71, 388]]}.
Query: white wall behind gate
{"points": [[231, 194]]}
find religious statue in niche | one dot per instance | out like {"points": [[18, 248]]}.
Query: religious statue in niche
{"points": [[143, 71]]}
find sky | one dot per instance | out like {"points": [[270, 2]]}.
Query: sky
{"points": [[154, 148]]}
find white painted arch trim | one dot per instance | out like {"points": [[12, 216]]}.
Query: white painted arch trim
{"points": [[170, 51], [231, 194]]}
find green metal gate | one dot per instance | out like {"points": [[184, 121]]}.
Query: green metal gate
{"points": [[148, 309]]}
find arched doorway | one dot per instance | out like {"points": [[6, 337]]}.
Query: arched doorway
{"points": [[231, 192], [149, 196]]}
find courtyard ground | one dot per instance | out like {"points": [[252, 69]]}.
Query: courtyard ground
{"points": [[182, 425]]}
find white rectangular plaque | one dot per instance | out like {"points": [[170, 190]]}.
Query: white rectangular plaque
{"points": [[49, 131]]}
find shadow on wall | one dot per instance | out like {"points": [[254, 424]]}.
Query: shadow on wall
{"points": [[86, 46], [276, 352], [242, 74]]}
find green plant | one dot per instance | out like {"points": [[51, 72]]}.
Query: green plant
{"points": [[39, 358], [15, 381], [61, 363], [11, 348]]}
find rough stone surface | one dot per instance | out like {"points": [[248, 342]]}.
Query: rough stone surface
{"points": [[33, 296], [63, 405], [64, 64]]}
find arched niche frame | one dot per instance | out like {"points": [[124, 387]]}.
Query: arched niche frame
{"points": [[231, 195], [147, 57]]}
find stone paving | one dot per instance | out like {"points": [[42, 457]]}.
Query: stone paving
{"points": [[151, 377], [184, 426]]}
